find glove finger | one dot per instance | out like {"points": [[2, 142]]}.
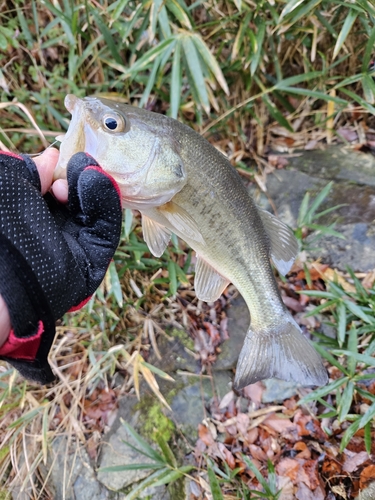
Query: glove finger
{"points": [[22, 166], [76, 166], [101, 214]]}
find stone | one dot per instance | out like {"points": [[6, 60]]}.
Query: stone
{"points": [[238, 324], [353, 174], [70, 474]]}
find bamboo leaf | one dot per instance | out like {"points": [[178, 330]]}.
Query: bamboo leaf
{"points": [[179, 13], [341, 325], [169, 457], [358, 311], [145, 447], [346, 401], [195, 70], [125, 467], [261, 31], [211, 62], [345, 30], [323, 391], [359, 99], [289, 7], [214, 484], [105, 31], [368, 88], [368, 51], [136, 490], [295, 80], [176, 81], [147, 58], [276, 114]]}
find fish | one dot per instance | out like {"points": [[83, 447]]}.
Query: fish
{"points": [[182, 184]]}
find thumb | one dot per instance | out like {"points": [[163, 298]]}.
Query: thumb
{"points": [[100, 217]]}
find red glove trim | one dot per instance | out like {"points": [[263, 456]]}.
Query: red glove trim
{"points": [[80, 305], [99, 169], [22, 348], [14, 155]]}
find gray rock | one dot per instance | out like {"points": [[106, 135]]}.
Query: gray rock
{"points": [[368, 493], [238, 324], [353, 174], [115, 452], [70, 474], [276, 390]]}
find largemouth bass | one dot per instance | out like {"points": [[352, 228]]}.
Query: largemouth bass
{"points": [[180, 183]]}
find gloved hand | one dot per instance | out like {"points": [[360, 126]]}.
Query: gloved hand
{"points": [[52, 256]]}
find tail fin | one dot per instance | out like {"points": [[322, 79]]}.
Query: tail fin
{"points": [[285, 353]]}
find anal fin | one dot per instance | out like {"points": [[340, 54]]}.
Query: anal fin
{"points": [[208, 283], [155, 235]]}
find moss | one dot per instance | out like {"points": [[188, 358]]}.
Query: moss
{"points": [[152, 419], [184, 337]]}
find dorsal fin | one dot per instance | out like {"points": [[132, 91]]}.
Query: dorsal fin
{"points": [[284, 245]]}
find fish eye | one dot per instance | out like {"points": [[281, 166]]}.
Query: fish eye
{"points": [[114, 122]]}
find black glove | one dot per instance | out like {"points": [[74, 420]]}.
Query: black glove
{"points": [[52, 256]]}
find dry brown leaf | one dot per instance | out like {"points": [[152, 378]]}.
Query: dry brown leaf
{"points": [[304, 451], [242, 423], [311, 469], [369, 280], [279, 424], [354, 460], [205, 435], [288, 467], [334, 275], [367, 476], [287, 489], [229, 396], [258, 453], [226, 455], [254, 392], [304, 493]]}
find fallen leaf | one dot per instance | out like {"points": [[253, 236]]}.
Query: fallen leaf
{"points": [[226, 455], [242, 423], [229, 396], [304, 451], [205, 435], [304, 493], [258, 453], [311, 469], [288, 467], [353, 462], [279, 424], [287, 489], [367, 476], [254, 392], [339, 489]]}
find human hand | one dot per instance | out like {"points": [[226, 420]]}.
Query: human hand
{"points": [[58, 256], [45, 164]]}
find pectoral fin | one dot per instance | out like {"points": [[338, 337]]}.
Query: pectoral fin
{"points": [[284, 245], [155, 235], [181, 221], [208, 283]]}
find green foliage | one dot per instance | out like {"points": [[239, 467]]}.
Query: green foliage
{"points": [[351, 353], [189, 56], [164, 463], [308, 215]]}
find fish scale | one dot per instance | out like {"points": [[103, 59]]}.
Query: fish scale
{"points": [[181, 184]]}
